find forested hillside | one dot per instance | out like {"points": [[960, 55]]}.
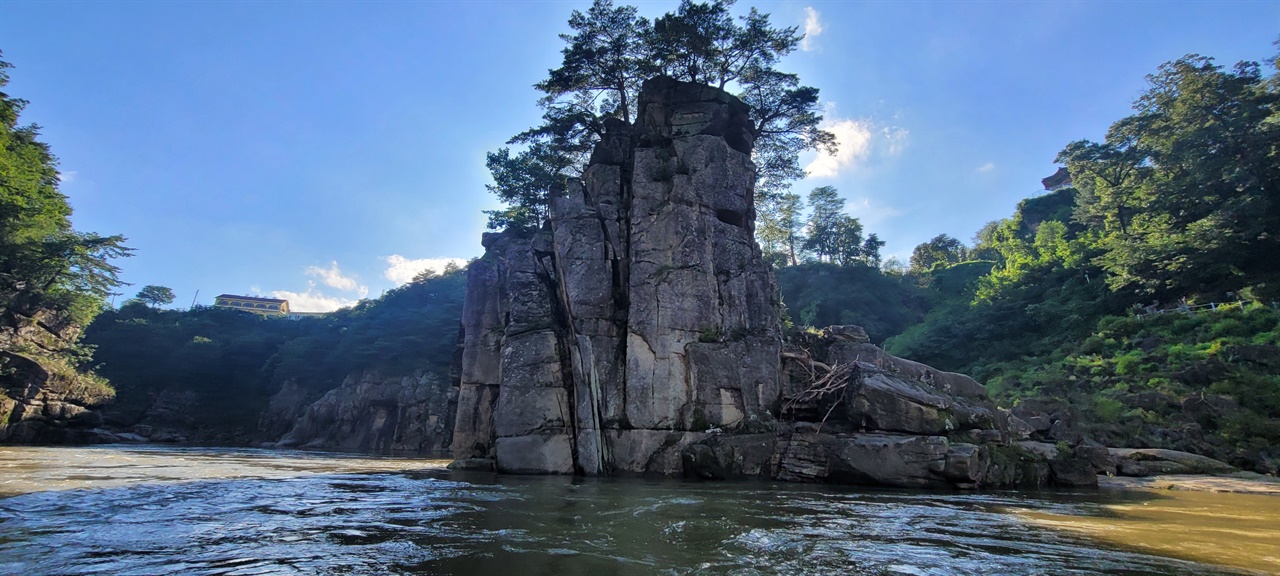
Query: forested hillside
{"points": [[1138, 306], [211, 371]]}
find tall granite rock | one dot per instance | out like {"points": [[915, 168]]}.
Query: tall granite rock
{"points": [[641, 317], [638, 332]]}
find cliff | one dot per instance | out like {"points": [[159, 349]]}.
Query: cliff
{"points": [[43, 399], [639, 332], [412, 415], [618, 334]]}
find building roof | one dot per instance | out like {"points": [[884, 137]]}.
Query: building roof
{"points": [[252, 298], [1059, 178]]}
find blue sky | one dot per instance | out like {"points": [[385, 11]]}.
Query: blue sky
{"points": [[325, 151]]}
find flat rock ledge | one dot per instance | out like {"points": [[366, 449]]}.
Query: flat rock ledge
{"points": [[1238, 482]]}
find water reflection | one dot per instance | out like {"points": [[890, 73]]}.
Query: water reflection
{"points": [[1237, 529], [266, 513]]}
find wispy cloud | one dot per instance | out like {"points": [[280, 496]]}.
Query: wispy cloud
{"points": [[401, 270], [312, 301], [812, 28], [896, 139], [67, 176], [989, 166], [854, 140], [334, 278]]}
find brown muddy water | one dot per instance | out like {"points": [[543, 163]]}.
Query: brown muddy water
{"points": [[129, 510]]}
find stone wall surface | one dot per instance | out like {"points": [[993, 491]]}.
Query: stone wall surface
{"points": [[44, 400], [410, 415], [639, 332]]}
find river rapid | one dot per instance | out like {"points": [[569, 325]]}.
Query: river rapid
{"points": [[130, 510]]}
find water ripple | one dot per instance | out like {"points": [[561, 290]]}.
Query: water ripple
{"points": [[227, 512]]}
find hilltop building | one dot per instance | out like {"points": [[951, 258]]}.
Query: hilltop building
{"points": [[1060, 179], [263, 306]]}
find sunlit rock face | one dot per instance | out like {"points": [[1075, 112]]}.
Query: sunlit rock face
{"points": [[639, 332], [640, 317], [42, 401]]}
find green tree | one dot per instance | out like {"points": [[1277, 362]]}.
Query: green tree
{"points": [[871, 249], [941, 249], [526, 181], [848, 241], [604, 63], [1181, 195], [825, 222], [606, 58], [45, 264], [781, 228], [155, 296]]}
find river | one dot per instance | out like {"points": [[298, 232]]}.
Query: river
{"points": [[131, 510]]}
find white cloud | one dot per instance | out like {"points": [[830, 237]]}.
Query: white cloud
{"points": [[812, 28], [312, 301], [334, 278], [68, 176], [854, 139], [401, 270], [989, 166], [896, 138]]}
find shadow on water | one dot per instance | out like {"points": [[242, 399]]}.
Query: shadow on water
{"points": [[330, 516]]}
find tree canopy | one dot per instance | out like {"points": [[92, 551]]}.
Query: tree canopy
{"points": [[45, 264], [1182, 194], [608, 55], [941, 249], [155, 296]]}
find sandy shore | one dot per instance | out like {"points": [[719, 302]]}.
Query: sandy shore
{"points": [[1239, 482]]}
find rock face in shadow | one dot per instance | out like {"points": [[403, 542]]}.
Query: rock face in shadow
{"points": [[403, 416], [638, 332]]}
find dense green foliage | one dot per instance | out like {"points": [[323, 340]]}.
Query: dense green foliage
{"points": [[234, 361], [788, 237], [1181, 197], [44, 263], [1177, 208], [607, 57], [818, 294], [53, 278], [1207, 382]]}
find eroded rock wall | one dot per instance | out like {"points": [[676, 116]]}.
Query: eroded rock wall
{"points": [[43, 399], [411, 415], [638, 332], [641, 317]]}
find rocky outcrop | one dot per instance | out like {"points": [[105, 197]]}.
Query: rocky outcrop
{"points": [[283, 409], [403, 416], [640, 317], [1155, 462], [44, 400], [638, 332]]}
